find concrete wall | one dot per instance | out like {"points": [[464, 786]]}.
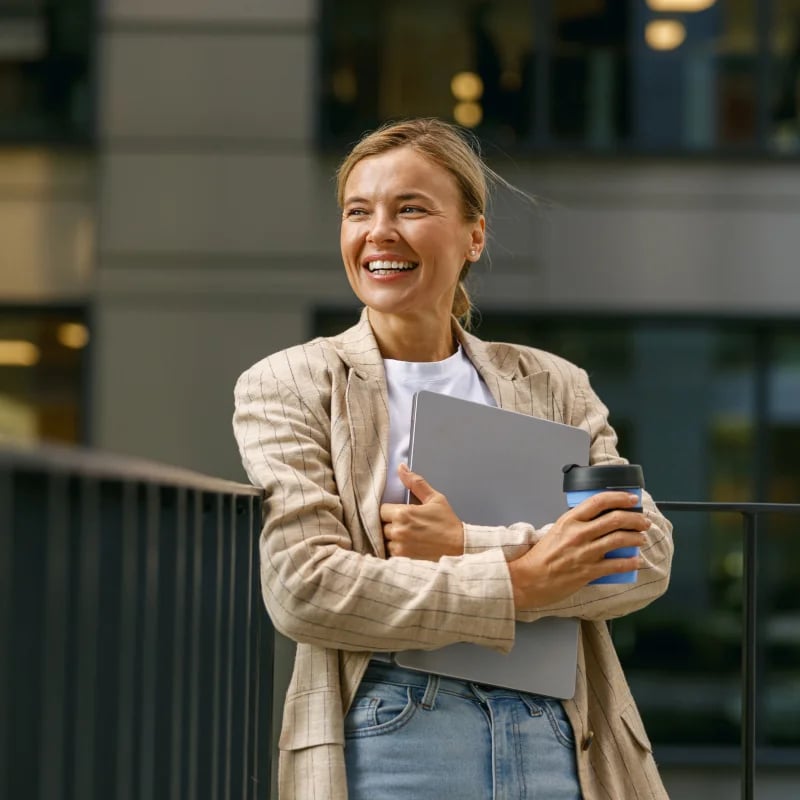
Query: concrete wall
{"points": [[210, 216]]}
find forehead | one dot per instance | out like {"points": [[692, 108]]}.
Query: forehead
{"points": [[402, 170]]}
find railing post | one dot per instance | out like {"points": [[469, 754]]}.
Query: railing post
{"points": [[750, 513], [749, 653]]}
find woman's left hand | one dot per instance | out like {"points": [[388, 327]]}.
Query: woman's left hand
{"points": [[427, 531]]}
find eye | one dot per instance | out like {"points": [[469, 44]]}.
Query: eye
{"points": [[412, 210], [355, 212]]}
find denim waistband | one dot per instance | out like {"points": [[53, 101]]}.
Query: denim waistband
{"points": [[381, 671]]}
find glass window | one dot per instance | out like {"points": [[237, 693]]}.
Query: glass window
{"points": [[695, 76], [785, 73], [43, 375], [654, 76], [390, 60], [589, 73], [45, 76]]}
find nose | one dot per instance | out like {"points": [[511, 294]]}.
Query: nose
{"points": [[381, 227]]}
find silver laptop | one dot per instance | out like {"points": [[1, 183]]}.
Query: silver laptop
{"points": [[497, 467]]}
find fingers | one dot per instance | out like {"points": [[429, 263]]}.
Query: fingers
{"points": [[389, 511], [393, 548], [616, 541], [617, 521], [615, 566], [416, 484], [602, 502]]}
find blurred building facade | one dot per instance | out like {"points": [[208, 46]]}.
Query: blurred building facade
{"points": [[168, 218]]}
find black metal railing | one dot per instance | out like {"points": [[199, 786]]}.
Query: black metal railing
{"points": [[136, 658], [751, 514]]}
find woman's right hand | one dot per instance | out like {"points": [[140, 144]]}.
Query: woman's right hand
{"points": [[572, 552]]}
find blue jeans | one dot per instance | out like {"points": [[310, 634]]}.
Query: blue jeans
{"points": [[414, 736]]}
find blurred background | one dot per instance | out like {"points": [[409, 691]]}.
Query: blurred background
{"points": [[167, 218]]}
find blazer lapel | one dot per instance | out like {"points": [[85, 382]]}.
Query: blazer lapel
{"points": [[368, 418]]}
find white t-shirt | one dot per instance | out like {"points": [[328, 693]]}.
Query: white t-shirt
{"points": [[455, 376]]}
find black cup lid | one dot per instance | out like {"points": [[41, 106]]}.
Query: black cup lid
{"points": [[605, 476]]}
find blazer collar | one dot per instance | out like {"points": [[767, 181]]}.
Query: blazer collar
{"points": [[499, 364], [360, 350]]}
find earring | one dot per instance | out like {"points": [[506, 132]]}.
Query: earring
{"points": [[472, 251]]}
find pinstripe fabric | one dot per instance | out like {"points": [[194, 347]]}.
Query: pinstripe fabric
{"points": [[312, 427]]}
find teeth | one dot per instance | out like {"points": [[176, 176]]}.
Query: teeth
{"points": [[385, 267]]}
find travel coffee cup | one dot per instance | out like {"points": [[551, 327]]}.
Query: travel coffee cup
{"points": [[582, 482]]}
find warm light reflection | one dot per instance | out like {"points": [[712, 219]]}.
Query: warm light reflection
{"points": [[18, 353], [469, 115], [664, 34], [73, 335], [466, 86], [678, 6]]}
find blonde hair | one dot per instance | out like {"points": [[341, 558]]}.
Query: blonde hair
{"points": [[448, 147]]}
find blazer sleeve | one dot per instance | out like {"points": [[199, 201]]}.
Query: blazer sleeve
{"points": [[316, 587], [583, 408]]}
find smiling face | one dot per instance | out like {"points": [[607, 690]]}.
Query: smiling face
{"points": [[404, 237]]}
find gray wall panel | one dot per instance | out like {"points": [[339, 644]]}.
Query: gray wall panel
{"points": [[630, 247], [212, 10], [196, 86], [220, 202], [167, 377], [716, 260], [649, 235], [243, 283]]}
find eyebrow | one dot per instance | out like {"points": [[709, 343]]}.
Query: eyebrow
{"points": [[403, 198]]}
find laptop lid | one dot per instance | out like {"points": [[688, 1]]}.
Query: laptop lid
{"points": [[497, 467]]}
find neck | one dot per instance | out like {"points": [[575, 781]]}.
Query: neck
{"points": [[413, 338]]}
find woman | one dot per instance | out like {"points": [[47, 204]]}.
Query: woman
{"points": [[349, 571]]}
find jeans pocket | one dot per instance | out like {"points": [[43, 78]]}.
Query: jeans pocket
{"points": [[556, 716], [562, 727], [379, 708]]}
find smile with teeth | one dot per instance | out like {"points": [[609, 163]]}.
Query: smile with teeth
{"points": [[389, 267]]}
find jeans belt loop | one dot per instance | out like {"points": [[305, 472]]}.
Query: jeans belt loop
{"points": [[431, 690]]}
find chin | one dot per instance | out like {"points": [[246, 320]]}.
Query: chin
{"points": [[383, 304]]}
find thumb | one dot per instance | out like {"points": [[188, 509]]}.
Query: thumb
{"points": [[416, 484]]}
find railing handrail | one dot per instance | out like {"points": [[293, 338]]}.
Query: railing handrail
{"points": [[741, 508], [90, 463]]}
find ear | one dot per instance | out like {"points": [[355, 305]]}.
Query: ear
{"points": [[477, 239]]}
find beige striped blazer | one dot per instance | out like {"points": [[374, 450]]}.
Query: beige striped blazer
{"points": [[312, 426]]}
